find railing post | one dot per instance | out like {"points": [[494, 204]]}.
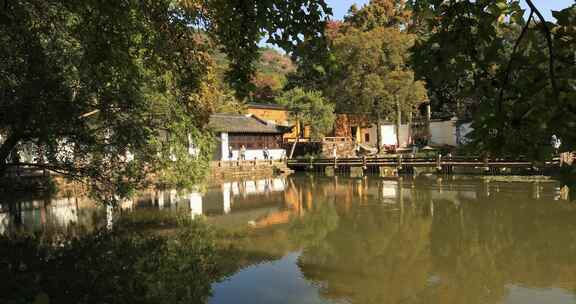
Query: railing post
{"points": [[439, 162]]}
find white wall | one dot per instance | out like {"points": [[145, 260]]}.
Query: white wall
{"points": [[404, 135], [258, 154], [388, 135], [251, 154], [224, 146], [443, 132]]}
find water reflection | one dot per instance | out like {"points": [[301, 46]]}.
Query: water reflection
{"points": [[425, 241], [49, 214], [368, 240], [63, 213]]}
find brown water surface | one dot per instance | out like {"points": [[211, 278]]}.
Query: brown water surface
{"points": [[369, 240]]}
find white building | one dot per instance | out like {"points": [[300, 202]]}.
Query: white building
{"points": [[442, 132], [235, 131]]}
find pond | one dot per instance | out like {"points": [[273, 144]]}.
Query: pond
{"points": [[319, 239]]}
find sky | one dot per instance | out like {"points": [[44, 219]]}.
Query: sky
{"points": [[341, 7]]}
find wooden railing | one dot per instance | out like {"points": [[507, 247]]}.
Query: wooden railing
{"points": [[400, 161], [247, 163], [332, 139]]}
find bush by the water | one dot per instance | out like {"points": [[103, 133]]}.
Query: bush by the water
{"points": [[113, 267]]}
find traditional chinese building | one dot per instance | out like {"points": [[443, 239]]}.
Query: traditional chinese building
{"points": [[254, 133], [279, 115]]}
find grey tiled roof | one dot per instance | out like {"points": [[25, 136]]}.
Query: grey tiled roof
{"points": [[270, 106], [239, 123]]}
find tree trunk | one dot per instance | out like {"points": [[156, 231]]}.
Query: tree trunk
{"points": [[428, 119], [5, 150], [398, 122], [379, 134], [294, 147], [410, 139], [298, 134]]}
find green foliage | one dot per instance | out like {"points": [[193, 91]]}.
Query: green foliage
{"points": [[270, 77], [379, 13], [313, 228], [89, 83], [295, 26], [310, 109], [513, 76], [113, 267], [373, 77]]}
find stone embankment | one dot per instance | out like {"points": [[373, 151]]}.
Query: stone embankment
{"points": [[221, 171]]}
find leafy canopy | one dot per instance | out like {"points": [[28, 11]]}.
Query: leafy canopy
{"points": [[309, 108], [91, 84], [514, 77]]}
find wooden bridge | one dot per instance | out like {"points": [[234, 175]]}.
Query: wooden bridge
{"points": [[407, 164]]}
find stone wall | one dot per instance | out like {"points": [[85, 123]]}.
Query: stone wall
{"points": [[221, 171]]}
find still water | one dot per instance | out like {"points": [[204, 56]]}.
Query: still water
{"points": [[343, 240]]}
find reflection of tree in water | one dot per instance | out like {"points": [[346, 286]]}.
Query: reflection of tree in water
{"points": [[431, 249], [311, 229], [371, 257], [481, 247]]}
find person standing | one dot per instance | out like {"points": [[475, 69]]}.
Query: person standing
{"points": [[243, 153], [334, 151], [266, 153], [556, 143], [230, 153]]}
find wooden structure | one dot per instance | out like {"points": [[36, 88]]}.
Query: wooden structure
{"points": [[249, 132], [406, 164]]}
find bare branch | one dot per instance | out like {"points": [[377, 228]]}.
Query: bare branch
{"points": [[548, 36], [512, 56]]}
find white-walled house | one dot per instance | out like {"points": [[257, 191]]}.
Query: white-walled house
{"points": [[388, 130], [449, 132], [255, 134], [442, 132]]}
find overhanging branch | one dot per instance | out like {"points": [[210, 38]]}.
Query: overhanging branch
{"points": [[509, 67], [551, 60]]}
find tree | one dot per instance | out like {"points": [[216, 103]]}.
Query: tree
{"points": [[510, 72], [316, 63], [373, 77], [91, 84], [308, 109], [379, 13], [239, 25], [270, 77]]}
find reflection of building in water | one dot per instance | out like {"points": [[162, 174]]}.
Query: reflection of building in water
{"points": [[43, 215], [4, 223], [195, 200], [228, 198]]}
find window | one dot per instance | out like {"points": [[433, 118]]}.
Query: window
{"points": [[367, 137]]}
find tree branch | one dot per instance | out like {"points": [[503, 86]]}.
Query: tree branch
{"points": [[509, 67], [548, 36], [7, 147], [75, 173]]}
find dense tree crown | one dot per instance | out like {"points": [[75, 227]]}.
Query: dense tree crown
{"points": [[513, 76], [121, 92], [506, 69], [308, 109], [367, 70], [91, 85]]}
